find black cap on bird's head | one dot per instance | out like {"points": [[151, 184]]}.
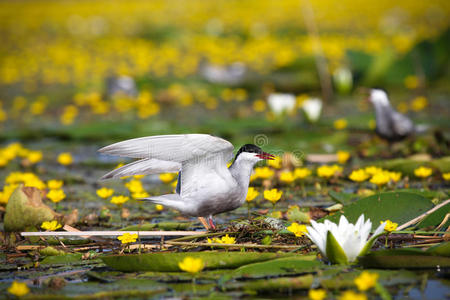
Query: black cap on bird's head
{"points": [[250, 148]]}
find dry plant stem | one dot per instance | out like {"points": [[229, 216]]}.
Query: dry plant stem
{"points": [[90, 234], [419, 218], [233, 245]]}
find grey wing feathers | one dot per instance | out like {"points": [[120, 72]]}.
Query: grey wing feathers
{"points": [[144, 167], [176, 148], [165, 153]]}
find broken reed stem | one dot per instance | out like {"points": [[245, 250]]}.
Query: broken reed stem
{"points": [[419, 218], [233, 245]]}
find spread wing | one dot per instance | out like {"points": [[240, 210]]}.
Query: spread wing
{"points": [[167, 153]]}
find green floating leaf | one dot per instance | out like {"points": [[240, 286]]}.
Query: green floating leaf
{"points": [[399, 207], [335, 253], [435, 218], [168, 262], [278, 267], [62, 259], [50, 251], [343, 198], [161, 225], [403, 258], [442, 249]]}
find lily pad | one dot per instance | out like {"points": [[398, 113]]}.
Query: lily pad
{"points": [[343, 198], [442, 249], [435, 218], [399, 207], [26, 209], [168, 261], [404, 259], [277, 267]]}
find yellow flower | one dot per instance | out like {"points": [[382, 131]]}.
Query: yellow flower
{"points": [[273, 195], [259, 105], [252, 193], [228, 240], [372, 170], [358, 175], [140, 195], [191, 265], [34, 156], [390, 226], [275, 163], [6, 193], [138, 176], [287, 177], [51, 226], [297, 229], [340, 124], [55, 184], [302, 173], [135, 186], [263, 173], [328, 171], [166, 177], [159, 207], [343, 156], [380, 178], [127, 238], [446, 176], [104, 192], [395, 176], [411, 82], [423, 172], [419, 103], [372, 124], [366, 280], [351, 295], [56, 195], [65, 159], [18, 289], [318, 294], [119, 200]]}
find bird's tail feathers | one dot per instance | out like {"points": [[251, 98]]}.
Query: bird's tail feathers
{"points": [[170, 200]]}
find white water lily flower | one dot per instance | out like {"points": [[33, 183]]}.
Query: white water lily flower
{"points": [[312, 108], [280, 103], [343, 242]]}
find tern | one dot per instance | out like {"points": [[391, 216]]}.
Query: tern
{"points": [[206, 185], [390, 124]]}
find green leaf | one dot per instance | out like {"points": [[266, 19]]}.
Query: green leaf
{"points": [[277, 267], [435, 218], [294, 214], [168, 262], [403, 258], [399, 207], [335, 253], [442, 249], [343, 198]]}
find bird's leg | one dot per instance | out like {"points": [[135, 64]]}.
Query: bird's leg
{"points": [[204, 223], [211, 223]]}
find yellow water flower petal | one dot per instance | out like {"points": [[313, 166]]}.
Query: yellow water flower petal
{"points": [[191, 265], [366, 280]]}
